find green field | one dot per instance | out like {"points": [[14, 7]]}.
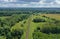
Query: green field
{"points": [[34, 26]]}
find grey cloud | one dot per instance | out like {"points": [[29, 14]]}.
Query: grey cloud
{"points": [[49, 1], [29, 0]]}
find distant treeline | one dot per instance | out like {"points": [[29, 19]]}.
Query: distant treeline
{"points": [[10, 11]]}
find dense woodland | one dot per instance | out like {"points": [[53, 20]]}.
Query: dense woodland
{"points": [[7, 23]]}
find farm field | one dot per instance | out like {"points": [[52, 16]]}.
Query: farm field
{"points": [[56, 16]]}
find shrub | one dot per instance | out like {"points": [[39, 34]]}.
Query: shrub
{"points": [[17, 33], [39, 20], [24, 22], [53, 30], [22, 25]]}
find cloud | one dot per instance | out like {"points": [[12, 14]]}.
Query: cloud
{"points": [[20, 0], [30, 0], [13, 5], [48, 1], [57, 1], [8, 0], [29, 3]]}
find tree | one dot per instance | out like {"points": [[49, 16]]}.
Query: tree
{"points": [[17, 33]]}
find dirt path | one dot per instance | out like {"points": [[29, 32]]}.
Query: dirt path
{"points": [[28, 27]]}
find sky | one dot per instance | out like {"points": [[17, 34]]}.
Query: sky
{"points": [[29, 3]]}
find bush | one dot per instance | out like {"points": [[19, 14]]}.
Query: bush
{"points": [[4, 30], [24, 22], [46, 28], [9, 36], [39, 20], [22, 25], [17, 33], [50, 29]]}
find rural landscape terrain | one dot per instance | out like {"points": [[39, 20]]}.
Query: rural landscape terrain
{"points": [[29, 23]]}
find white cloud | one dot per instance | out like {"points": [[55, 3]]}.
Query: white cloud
{"points": [[41, 3], [5, 0], [13, 5], [9, 0], [57, 1]]}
